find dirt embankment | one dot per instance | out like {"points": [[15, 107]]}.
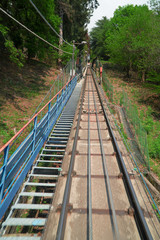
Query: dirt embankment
{"points": [[21, 91]]}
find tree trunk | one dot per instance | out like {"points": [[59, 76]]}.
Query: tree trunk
{"points": [[143, 76], [61, 35]]}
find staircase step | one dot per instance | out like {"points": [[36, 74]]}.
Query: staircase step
{"points": [[43, 176], [40, 184], [58, 138], [60, 142], [59, 134], [36, 194], [31, 206], [24, 222], [48, 161], [63, 124], [53, 150], [51, 155], [55, 146], [20, 238]]}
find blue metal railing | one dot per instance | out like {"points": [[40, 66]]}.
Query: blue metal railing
{"points": [[16, 166]]}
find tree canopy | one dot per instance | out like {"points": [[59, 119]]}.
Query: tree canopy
{"points": [[21, 43], [130, 39]]}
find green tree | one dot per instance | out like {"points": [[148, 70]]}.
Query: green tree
{"points": [[24, 12], [76, 15], [134, 44], [98, 36], [155, 6]]}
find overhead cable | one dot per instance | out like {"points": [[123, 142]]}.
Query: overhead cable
{"points": [[42, 39], [48, 23]]}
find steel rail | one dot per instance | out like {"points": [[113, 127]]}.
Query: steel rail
{"points": [[22, 129], [128, 149], [107, 181], [139, 217], [89, 192], [63, 215]]}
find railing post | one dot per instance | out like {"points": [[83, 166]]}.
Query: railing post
{"points": [[63, 79], [49, 109], [34, 133], [57, 105], [62, 95], [75, 80], [50, 94], [58, 83], [6, 152], [66, 89]]}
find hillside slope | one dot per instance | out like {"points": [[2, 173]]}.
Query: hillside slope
{"points": [[21, 91]]}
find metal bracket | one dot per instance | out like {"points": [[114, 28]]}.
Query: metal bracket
{"points": [[131, 175], [131, 211], [69, 207], [113, 154], [120, 175], [65, 173]]}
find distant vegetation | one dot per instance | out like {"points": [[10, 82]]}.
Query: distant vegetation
{"points": [[21, 44], [131, 40]]}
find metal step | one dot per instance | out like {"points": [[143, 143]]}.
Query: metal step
{"points": [[55, 140], [20, 238], [40, 184], [48, 161], [43, 176], [67, 116], [63, 124], [52, 150], [31, 206], [61, 131], [58, 138], [59, 135], [65, 121], [25, 222], [55, 146], [62, 127], [51, 155], [36, 194]]}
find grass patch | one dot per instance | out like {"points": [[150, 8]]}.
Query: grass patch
{"points": [[155, 166], [21, 92], [146, 98]]}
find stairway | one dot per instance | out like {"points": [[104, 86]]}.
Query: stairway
{"points": [[28, 214]]}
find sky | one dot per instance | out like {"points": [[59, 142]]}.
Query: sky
{"points": [[107, 7]]}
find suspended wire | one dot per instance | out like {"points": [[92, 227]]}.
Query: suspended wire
{"points": [[42, 39], [49, 23]]}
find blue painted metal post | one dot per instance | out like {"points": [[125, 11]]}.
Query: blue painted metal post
{"points": [[58, 83], [62, 96], [63, 79], [57, 105], [65, 92], [34, 134], [49, 108], [6, 152], [54, 89], [50, 94]]}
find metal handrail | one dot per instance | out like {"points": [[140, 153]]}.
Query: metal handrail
{"points": [[21, 130], [16, 167]]}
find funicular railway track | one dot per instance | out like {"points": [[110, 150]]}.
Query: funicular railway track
{"points": [[80, 181], [95, 198]]}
